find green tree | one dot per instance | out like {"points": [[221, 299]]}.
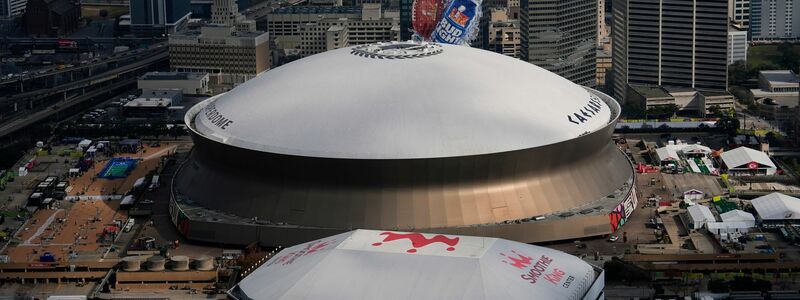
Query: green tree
{"points": [[789, 58], [728, 124], [738, 73], [743, 95], [662, 111], [633, 110], [715, 110]]}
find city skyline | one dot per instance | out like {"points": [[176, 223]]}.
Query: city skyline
{"points": [[399, 149]]}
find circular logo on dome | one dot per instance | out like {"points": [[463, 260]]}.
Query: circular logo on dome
{"points": [[397, 50]]}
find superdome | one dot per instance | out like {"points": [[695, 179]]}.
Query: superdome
{"points": [[382, 102], [403, 136]]}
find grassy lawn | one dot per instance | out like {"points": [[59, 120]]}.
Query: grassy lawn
{"points": [[765, 55], [9, 213]]}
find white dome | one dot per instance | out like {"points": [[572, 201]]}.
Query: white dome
{"points": [[366, 102]]}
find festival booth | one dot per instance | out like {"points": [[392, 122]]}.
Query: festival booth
{"points": [[699, 215], [739, 216], [693, 195], [139, 183], [127, 202], [667, 156], [777, 209], [91, 151], [744, 161], [130, 145], [84, 144], [728, 231]]}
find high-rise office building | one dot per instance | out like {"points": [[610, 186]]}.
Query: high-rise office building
{"points": [[498, 33], [560, 36], [226, 12], [513, 9], [737, 45], [774, 20], [604, 64], [739, 12], [405, 19], [201, 9], [602, 29], [228, 56], [12, 8], [670, 43], [287, 22], [158, 17], [53, 18], [312, 30]]}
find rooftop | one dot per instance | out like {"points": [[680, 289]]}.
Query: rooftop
{"points": [[678, 89], [452, 118], [777, 206], [318, 10], [714, 93], [149, 102], [742, 156], [780, 76], [215, 31], [155, 98], [336, 28], [423, 266], [656, 91], [172, 76], [650, 91], [700, 213]]}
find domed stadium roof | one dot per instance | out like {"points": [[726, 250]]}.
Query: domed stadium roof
{"points": [[402, 101], [367, 264]]}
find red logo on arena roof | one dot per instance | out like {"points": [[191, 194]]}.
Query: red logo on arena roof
{"points": [[290, 257], [520, 261], [418, 240], [317, 247], [752, 165]]}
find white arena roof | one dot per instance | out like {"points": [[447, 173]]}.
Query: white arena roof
{"points": [[376, 102], [366, 264], [777, 206]]}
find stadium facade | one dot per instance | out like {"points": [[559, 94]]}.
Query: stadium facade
{"points": [[403, 136]]}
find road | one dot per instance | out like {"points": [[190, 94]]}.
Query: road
{"points": [[88, 81], [155, 50], [752, 122], [257, 11], [46, 112]]}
